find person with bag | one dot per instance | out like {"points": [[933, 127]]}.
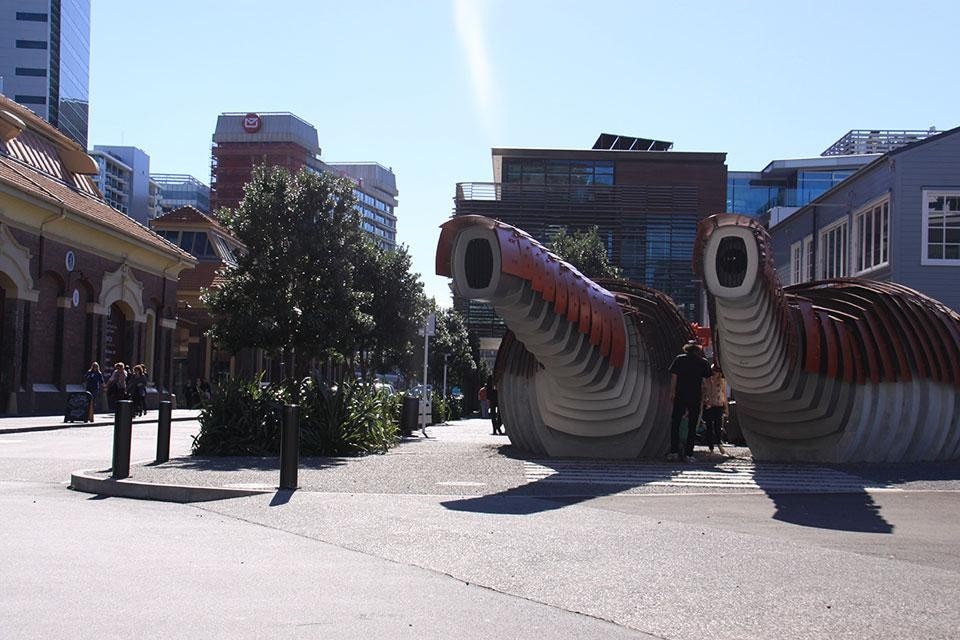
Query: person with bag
{"points": [[93, 381], [117, 386], [689, 369], [714, 407], [137, 389]]}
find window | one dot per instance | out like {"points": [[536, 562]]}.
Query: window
{"points": [[871, 236], [31, 17], [801, 261], [941, 227], [30, 71], [31, 44], [30, 99], [833, 251]]}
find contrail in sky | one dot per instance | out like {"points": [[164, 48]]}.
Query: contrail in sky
{"points": [[468, 15]]}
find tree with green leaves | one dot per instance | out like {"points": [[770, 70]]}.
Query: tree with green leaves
{"points": [[586, 251], [396, 304], [294, 288], [451, 344]]}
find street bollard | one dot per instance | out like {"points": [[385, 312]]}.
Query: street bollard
{"points": [[289, 446], [163, 431], [122, 433]]}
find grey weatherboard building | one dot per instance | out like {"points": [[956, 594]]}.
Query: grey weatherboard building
{"points": [[896, 219]]}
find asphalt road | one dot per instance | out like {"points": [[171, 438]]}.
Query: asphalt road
{"points": [[562, 553]]}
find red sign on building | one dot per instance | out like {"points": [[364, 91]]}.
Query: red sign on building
{"points": [[251, 123]]}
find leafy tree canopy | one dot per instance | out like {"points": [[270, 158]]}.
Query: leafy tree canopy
{"points": [[396, 304], [453, 343], [295, 285], [586, 251]]}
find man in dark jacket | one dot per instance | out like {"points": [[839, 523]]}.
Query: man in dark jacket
{"points": [[689, 369]]}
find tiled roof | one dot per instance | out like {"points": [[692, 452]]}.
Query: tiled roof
{"points": [[203, 275], [30, 163], [188, 215]]}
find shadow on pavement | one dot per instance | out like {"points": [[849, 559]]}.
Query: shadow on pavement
{"points": [[237, 463], [838, 511], [281, 497], [832, 496]]}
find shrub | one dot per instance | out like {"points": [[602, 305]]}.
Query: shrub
{"points": [[241, 419], [352, 419]]}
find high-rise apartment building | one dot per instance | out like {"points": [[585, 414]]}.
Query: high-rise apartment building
{"points": [[376, 191], [644, 198], [45, 60], [125, 181], [243, 141], [181, 190]]}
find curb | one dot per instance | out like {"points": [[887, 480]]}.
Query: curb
{"points": [[84, 482], [74, 425]]}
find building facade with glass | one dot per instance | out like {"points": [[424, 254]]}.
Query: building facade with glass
{"points": [[783, 186], [788, 183], [125, 181], [45, 60], [243, 141], [181, 190], [376, 192], [897, 219], [645, 204]]}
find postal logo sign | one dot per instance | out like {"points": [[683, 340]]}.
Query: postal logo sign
{"points": [[251, 123]]}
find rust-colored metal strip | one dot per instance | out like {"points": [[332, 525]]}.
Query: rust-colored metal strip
{"points": [[811, 334], [829, 332]]}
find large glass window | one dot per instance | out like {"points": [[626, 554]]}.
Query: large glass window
{"points": [[941, 227], [801, 261], [555, 172], [30, 99], [833, 250], [871, 236]]}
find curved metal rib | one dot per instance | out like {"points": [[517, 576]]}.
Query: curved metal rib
{"points": [[576, 374]]}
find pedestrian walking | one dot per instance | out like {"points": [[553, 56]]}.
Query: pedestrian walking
{"points": [[117, 386], [688, 371], [714, 407], [494, 405], [137, 389], [484, 402]]}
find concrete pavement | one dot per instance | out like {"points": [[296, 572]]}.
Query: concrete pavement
{"points": [[459, 530]]}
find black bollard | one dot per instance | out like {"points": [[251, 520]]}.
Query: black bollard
{"points": [[163, 431], [122, 433], [289, 446]]}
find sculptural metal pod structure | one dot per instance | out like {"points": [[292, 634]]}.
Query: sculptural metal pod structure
{"points": [[830, 371], [583, 369]]}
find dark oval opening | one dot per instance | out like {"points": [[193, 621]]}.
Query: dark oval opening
{"points": [[731, 262], [478, 263]]}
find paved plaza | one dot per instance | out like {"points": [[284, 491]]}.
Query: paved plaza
{"points": [[458, 534]]}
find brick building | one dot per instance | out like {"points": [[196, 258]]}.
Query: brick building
{"points": [[214, 247], [79, 281]]}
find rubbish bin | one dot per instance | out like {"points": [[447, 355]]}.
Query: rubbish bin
{"points": [[734, 435], [78, 404], [408, 415]]}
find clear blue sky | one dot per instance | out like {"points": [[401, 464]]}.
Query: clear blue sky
{"points": [[427, 87]]}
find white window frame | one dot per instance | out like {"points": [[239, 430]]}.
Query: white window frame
{"points": [[801, 255], [842, 227], [925, 259], [866, 219]]}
